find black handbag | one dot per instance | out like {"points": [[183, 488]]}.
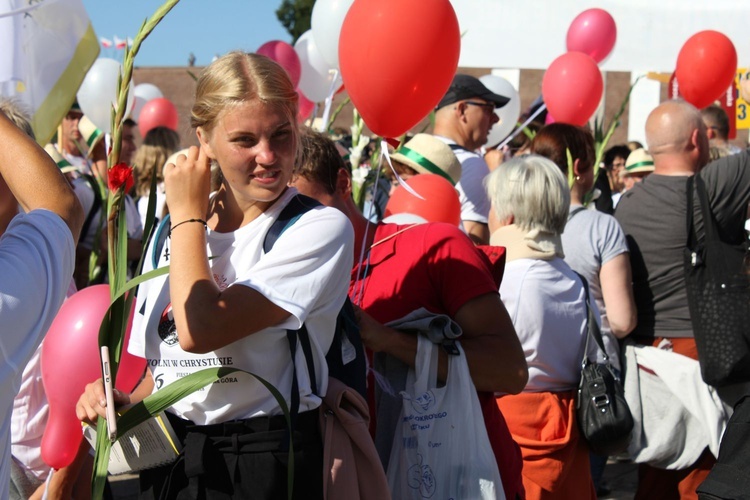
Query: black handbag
{"points": [[604, 417], [718, 291]]}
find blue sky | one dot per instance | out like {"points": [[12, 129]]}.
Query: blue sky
{"points": [[203, 27]]}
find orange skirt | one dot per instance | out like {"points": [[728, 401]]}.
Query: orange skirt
{"points": [[555, 458]]}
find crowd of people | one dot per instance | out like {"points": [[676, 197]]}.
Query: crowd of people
{"points": [[520, 241]]}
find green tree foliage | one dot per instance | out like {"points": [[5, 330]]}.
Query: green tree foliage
{"points": [[295, 16]]}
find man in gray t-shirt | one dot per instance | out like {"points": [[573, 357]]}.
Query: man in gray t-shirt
{"points": [[654, 217]]}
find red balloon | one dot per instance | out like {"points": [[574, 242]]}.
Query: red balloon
{"points": [[306, 107], [392, 83], [705, 67], [70, 360], [440, 204], [285, 55], [159, 112], [572, 88], [592, 32]]}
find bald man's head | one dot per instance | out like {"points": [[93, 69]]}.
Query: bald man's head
{"points": [[676, 128]]}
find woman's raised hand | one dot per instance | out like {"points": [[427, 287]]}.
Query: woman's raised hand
{"points": [[188, 185]]}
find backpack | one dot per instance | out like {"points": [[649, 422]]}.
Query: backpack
{"points": [[346, 356]]}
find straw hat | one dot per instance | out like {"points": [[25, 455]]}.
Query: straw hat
{"points": [[429, 155], [63, 164], [90, 133], [638, 161]]}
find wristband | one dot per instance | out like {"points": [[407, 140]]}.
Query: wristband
{"points": [[172, 228]]}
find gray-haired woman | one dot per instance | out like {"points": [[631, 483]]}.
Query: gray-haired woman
{"points": [[547, 303]]}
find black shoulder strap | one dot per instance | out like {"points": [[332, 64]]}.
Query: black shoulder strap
{"points": [[296, 208], [710, 229], [593, 327], [574, 212], [91, 181]]}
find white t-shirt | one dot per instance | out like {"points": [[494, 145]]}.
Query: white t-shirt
{"points": [[546, 302], [30, 413], [37, 255], [475, 204], [306, 273]]}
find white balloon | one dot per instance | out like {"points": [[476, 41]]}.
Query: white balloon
{"points": [[98, 93], [508, 114], [143, 92], [326, 21], [316, 75]]}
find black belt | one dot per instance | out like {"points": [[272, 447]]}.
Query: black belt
{"points": [[306, 422]]}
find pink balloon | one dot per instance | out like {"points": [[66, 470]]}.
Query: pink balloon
{"points": [[592, 32], [70, 360], [549, 118], [285, 55], [572, 88], [306, 107], [159, 112]]}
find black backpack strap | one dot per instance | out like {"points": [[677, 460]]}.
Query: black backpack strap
{"points": [[296, 208], [290, 214], [91, 181], [304, 342], [291, 337]]}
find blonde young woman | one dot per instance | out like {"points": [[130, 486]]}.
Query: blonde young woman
{"points": [[234, 309]]}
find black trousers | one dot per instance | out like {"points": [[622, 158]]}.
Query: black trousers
{"points": [[241, 459]]}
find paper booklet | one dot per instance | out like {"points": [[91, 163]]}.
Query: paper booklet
{"points": [[150, 444]]}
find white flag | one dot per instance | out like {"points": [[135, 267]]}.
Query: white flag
{"points": [[106, 42], [48, 47], [120, 43]]}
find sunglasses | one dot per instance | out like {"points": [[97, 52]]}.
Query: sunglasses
{"points": [[486, 106]]}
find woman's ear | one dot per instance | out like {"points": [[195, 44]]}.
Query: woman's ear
{"points": [[576, 168], [203, 138], [344, 183]]}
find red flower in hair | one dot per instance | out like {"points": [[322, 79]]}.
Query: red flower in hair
{"points": [[119, 175]]}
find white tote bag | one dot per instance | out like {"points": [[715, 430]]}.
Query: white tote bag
{"points": [[441, 449]]}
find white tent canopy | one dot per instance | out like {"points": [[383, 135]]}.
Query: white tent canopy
{"points": [[531, 34], [650, 33]]}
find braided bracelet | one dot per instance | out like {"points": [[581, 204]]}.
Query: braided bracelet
{"points": [[172, 228]]}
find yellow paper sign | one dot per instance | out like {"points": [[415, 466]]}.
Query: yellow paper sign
{"points": [[743, 107]]}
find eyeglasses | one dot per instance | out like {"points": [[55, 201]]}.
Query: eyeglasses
{"points": [[488, 107]]}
